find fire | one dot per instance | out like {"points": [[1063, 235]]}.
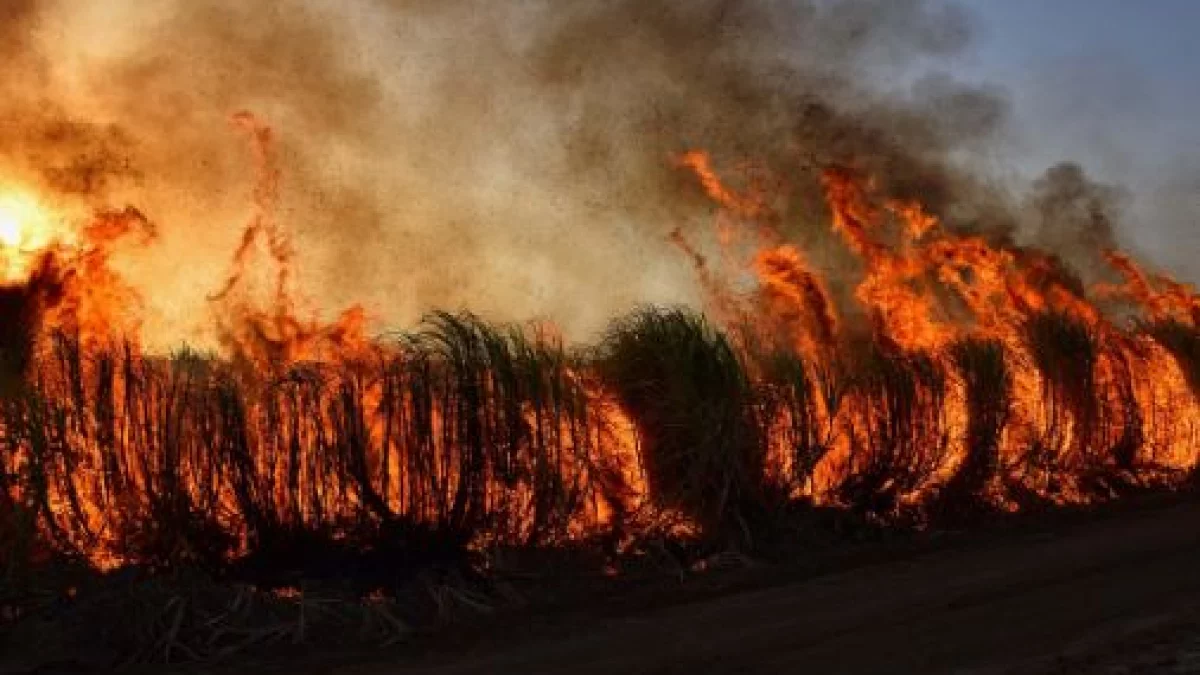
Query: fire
{"points": [[27, 230], [937, 370], [10, 226], [1063, 391]]}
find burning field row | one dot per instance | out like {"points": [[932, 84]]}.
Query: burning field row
{"points": [[702, 277], [963, 375]]}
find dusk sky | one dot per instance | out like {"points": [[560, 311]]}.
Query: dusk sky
{"points": [[1125, 68], [1114, 84]]}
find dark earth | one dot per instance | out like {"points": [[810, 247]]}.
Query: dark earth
{"points": [[1113, 594]]}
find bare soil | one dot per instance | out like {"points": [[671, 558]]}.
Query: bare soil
{"points": [[1115, 592], [1118, 594]]}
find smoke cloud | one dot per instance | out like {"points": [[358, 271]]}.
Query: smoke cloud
{"points": [[513, 158]]}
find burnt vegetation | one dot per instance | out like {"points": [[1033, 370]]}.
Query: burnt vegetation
{"points": [[461, 436], [457, 444]]}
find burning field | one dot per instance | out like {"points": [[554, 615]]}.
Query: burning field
{"points": [[867, 328]]}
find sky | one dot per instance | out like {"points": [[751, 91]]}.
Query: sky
{"points": [[1114, 84]]}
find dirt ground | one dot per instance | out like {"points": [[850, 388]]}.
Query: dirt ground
{"points": [[1171, 646], [1118, 595], [1111, 593]]}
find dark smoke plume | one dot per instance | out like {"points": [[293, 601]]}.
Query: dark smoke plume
{"points": [[513, 157]]}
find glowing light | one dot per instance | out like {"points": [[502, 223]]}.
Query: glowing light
{"points": [[10, 226], [27, 227], [23, 222]]}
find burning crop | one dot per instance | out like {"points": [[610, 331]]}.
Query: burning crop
{"points": [[961, 372], [870, 337]]}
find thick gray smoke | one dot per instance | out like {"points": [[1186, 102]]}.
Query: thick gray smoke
{"points": [[1170, 216], [514, 157], [1075, 217]]}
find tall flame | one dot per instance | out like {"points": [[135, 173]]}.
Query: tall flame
{"points": [[936, 364]]}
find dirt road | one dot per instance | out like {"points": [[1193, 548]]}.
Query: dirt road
{"points": [[1016, 606]]}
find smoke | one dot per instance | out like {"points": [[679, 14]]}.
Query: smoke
{"points": [[1169, 213], [16, 20], [514, 158], [1122, 114], [1076, 217]]}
